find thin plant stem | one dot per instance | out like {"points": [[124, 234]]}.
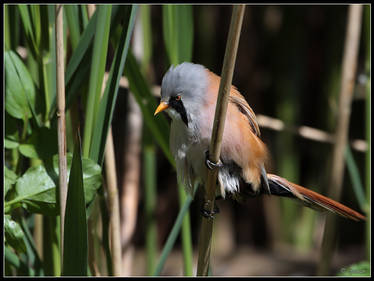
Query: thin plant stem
{"points": [[173, 235], [111, 175], [341, 133], [150, 198], [61, 131], [218, 127], [186, 235]]}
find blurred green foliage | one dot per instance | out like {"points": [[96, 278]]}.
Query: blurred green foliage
{"points": [[288, 66]]}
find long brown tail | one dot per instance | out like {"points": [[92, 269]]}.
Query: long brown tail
{"points": [[282, 187]]}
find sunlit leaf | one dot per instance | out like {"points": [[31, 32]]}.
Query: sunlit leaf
{"points": [[28, 150], [10, 144], [37, 191]]}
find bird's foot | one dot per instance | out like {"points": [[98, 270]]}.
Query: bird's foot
{"points": [[211, 165], [205, 210]]}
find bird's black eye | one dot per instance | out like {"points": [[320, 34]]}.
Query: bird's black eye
{"points": [[178, 98]]}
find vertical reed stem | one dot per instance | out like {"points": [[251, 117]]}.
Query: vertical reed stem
{"points": [[111, 176], [218, 127], [61, 131], [352, 41]]}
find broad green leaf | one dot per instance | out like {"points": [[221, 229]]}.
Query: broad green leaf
{"points": [[9, 179], [10, 144], [36, 187], [19, 87], [14, 234], [28, 150], [105, 113], [37, 191], [75, 228]]}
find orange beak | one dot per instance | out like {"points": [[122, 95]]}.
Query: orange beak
{"points": [[161, 107]]}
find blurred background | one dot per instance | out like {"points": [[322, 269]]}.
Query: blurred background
{"points": [[288, 68]]}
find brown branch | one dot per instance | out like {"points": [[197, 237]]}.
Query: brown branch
{"points": [[352, 41], [218, 127], [306, 132], [61, 130]]}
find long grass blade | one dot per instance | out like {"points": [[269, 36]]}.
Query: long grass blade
{"points": [[178, 32], [173, 235], [73, 23], [355, 177], [150, 197], [97, 73], [75, 259], [105, 112], [28, 27]]}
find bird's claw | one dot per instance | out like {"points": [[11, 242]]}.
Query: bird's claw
{"points": [[205, 210], [211, 165]]}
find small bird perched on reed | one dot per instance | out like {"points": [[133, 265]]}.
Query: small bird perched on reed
{"points": [[189, 95]]}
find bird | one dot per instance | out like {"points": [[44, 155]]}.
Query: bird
{"points": [[189, 95]]}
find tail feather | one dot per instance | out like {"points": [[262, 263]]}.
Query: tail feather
{"points": [[282, 187]]}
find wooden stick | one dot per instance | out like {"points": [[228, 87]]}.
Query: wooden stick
{"points": [[352, 41], [61, 130], [218, 127]]}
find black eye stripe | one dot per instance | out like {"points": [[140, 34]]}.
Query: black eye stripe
{"points": [[177, 104]]}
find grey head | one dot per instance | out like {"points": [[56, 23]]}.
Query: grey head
{"points": [[183, 88]]}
